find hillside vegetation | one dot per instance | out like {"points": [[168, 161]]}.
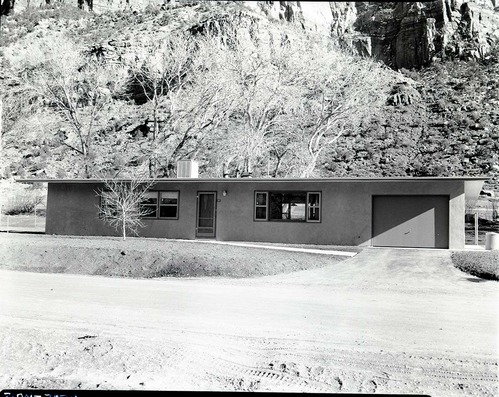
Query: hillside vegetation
{"points": [[86, 95]]}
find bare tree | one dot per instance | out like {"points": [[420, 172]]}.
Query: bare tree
{"points": [[292, 97], [121, 200], [253, 76], [341, 90], [172, 79], [15, 105], [80, 90], [160, 73]]}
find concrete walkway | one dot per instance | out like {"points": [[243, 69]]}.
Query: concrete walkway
{"points": [[274, 247], [270, 246], [22, 229]]}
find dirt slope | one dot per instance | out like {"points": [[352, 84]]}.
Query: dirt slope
{"points": [[142, 257]]}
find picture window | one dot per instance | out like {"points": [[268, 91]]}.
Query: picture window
{"points": [[288, 206]]}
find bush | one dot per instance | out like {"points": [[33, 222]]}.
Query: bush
{"points": [[483, 264], [23, 203], [25, 21], [17, 198]]}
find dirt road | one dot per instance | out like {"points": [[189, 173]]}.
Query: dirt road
{"points": [[385, 321]]}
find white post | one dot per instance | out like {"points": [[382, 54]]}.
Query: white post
{"points": [[35, 216], [476, 227]]}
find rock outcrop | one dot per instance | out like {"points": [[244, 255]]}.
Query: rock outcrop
{"points": [[402, 34], [410, 34]]}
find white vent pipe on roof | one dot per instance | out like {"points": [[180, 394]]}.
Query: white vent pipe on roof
{"points": [[187, 169]]}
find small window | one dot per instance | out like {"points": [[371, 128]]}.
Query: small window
{"points": [[314, 207], [261, 205], [149, 204], [107, 209], [168, 205]]}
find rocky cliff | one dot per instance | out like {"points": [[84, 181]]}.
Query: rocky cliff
{"points": [[402, 34], [443, 120]]}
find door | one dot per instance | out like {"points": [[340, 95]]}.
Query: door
{"points": [[206, 214], [410, 221]]}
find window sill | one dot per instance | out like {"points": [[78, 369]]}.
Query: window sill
{"points": [[159, 219]]}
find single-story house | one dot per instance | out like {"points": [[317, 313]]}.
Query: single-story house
{"points": [[393, 212]]}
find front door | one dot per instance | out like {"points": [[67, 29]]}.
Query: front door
{"points": [[206, 214]]}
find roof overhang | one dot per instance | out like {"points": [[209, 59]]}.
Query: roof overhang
{"points": [[472, 189], [473, 182]]}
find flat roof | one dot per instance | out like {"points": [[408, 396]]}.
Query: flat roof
{"points": [[273, 180]]}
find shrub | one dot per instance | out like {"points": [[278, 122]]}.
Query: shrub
{"points": [[483, 264], [19, 198], [27, 20], [23, 203]]}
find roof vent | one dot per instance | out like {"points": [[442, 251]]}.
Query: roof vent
{"points": [[187, 169]]}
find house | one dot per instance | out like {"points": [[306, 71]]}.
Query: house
{"points": [[391, 212]]}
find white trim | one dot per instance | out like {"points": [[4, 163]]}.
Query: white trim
{"points": [[266, 206], [319, 206]]}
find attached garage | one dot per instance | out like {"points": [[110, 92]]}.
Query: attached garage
{"points": [[411, 221]]}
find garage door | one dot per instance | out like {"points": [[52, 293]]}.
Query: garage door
{"points": [[410, 221]]}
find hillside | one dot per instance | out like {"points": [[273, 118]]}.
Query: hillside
{"points": [[438, 114]]}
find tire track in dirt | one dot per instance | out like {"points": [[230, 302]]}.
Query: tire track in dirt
{"points": [[408, 364], [287, 365], [259, 378]]}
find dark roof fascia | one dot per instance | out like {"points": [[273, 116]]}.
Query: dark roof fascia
{"points": [[273, 180]]}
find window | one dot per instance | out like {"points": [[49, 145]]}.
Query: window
{"points": [[261, 200], [168, 205], [314, 206], [148, 206], [163, 205], [107, 209], [288, 206]]}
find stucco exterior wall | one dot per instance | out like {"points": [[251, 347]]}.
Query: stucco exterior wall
{"points": [[346, 217]]}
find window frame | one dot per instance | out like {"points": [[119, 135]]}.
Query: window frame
{"points": [[307, 206], [159, 205], [319, 207], [168, 205], [266, 206], [150, 205], [282, 192], [103, 203]]}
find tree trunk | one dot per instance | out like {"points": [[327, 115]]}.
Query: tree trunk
{"points": [[277, 166], [6, 7], [278, 163], [86, 166], [310, 166], [1, 131], [124, 229]]}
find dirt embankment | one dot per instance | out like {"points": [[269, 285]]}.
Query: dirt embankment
{"points": [[140, 257]]}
